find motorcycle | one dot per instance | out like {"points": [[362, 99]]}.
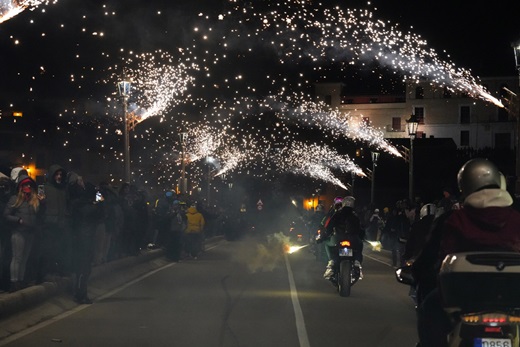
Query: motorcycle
{"points": [[479, 293], [346, 273]]}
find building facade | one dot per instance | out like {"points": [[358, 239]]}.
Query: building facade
{"points": [[471, 123]]}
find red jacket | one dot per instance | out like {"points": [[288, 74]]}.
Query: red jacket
{"points": [[486, 222]]}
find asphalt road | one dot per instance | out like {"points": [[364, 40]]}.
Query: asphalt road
{"points": [[242, 293]]}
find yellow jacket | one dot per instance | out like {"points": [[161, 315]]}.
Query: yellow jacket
{"points": [[196, 221]]}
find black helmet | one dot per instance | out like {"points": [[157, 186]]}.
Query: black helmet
{"points": [[477, 174]]}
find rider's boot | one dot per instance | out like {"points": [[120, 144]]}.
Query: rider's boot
{"points": [[329, 271]]}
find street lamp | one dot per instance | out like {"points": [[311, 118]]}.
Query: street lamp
{"points": [[124, 92], [516, 48], [375, 157], [183, 186], [411, 126]]}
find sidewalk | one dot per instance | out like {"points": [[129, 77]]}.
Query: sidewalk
{"points": [[49, 299]]}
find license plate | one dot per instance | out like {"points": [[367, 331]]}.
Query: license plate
{"points": [[346, 252], [492, 342]]}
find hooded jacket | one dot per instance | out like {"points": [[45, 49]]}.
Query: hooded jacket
{"points": [[55, 203], [487, 222], [195, 221]]}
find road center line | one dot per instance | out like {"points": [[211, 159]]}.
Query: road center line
{"points": [[300, 322]]}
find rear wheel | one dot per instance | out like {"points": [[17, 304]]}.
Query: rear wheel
{"points": [[344, 277]]}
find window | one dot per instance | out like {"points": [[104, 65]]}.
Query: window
{"points": [[464, 138], [419, 93], [464, 115], [396, 123], [503, 115], [328, 99], [418, 111]]}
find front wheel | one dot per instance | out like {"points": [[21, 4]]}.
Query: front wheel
{"points": [[344, 277]]}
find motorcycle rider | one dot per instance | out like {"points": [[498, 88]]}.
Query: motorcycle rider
{"points": [[487, 222], [419, 232], [344, 221]]}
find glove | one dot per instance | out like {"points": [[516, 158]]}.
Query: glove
{"points": [[319, 239]]}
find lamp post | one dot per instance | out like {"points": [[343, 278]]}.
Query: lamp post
{"points": [[516, 48], [353, 176], [183, 137], [411, 126], [124, 92], [209, 161], [375, 157]]}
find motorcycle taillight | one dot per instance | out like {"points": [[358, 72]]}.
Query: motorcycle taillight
{"points": [[490, 319], [344, 243]]}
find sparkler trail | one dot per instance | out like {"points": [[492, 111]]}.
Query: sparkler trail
{"points": [[301, 30], [318, 114], [158, 82], [248, 114], [11, 8], [316, 161]]}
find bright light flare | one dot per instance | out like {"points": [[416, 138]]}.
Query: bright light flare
{"points": [[376, 245], [293, 249]]}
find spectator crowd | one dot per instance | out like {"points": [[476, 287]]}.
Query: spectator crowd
{"points": [[62, 228]]}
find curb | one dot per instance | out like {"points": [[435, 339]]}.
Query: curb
{"points": [[30, 297]]}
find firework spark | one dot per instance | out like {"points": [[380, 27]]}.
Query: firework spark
{"points": [[12, 8]]}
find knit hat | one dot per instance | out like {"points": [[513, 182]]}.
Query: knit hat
{"points": [[26, 179]]}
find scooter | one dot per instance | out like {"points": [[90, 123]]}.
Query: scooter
{"points": [[479, 292]]}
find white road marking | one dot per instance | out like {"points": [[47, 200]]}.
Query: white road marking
{"points": [[300, 322]]}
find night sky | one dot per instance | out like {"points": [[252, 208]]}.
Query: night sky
{"points": [[62, 61], [476, 37]]}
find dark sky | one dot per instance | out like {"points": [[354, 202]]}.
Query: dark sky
{"points": [[54, 61], [476, 36]]}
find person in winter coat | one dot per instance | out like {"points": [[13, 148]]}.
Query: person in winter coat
{"points": [[174, 235], [395, 233], [419, 232], [24, 214], [487, 222], [6, 191], [55, 250], [135, 212], [375, 225], [86, 207], [193, 234], [162, 218], [108, 231]]}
